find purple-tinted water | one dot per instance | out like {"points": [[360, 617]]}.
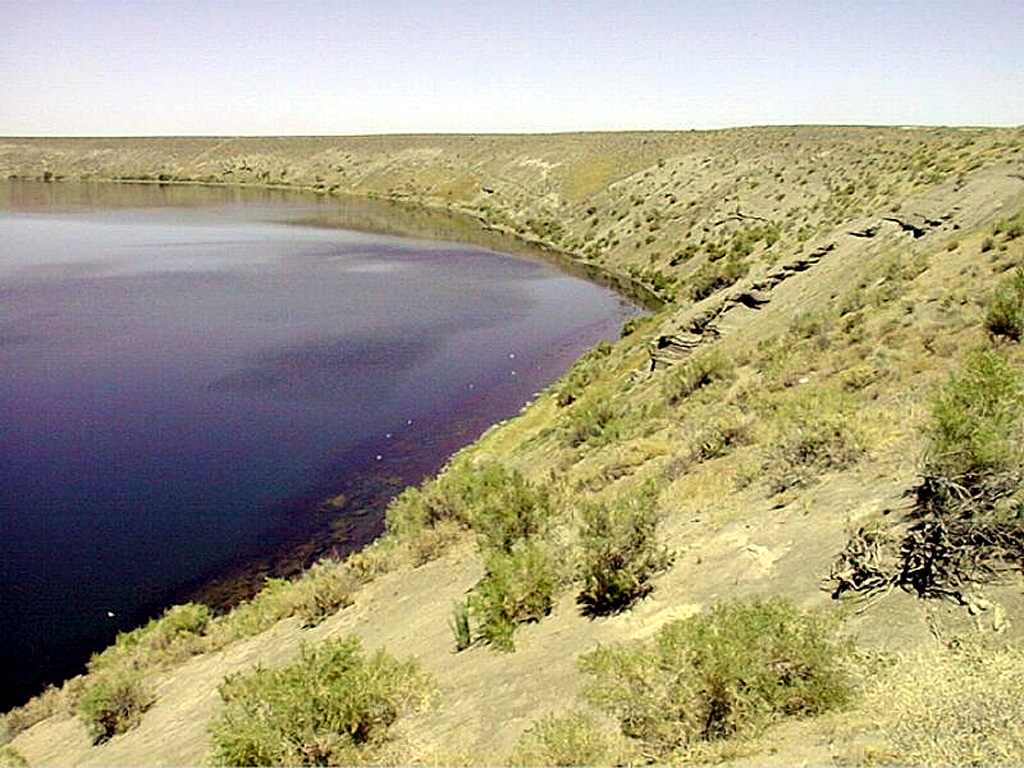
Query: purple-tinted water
{"points": [[179, 384]]}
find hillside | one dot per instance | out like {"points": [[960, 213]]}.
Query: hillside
{"points": [[819, 288]]}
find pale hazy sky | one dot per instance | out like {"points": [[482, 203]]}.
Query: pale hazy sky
{"points": [[107, 67]]}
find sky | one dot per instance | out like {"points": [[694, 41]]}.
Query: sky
{"points": [[304, 67]]}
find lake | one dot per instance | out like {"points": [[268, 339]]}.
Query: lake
{"points": [[186, 374]]}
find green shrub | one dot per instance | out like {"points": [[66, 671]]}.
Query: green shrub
{"points": [[1011, 228], [663, 284], [36, 709], [728, 672], [517, 588], [323, 590], [743, 242], [976, 425], [718, 432], [572, 739], [176, 635], [496, 501], [444, 498], [430, 543], [375, 559], [489, 497], [815, 326], [630, 327], [684, 379], [180, 621], [271, 604], [594, 419], [332, 707], [113, 703], [620, 554], [968, 519], [547, 229], [688, 253], [1005, 315], [585, 371], [436, 501], [512, 509]]}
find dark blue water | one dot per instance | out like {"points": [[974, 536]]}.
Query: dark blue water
{"points": [[179, 386]]}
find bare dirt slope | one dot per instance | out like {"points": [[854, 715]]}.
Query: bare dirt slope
{"points": [[827, 265]]}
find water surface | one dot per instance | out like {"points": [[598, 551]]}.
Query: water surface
{"points": [[186, 374]]}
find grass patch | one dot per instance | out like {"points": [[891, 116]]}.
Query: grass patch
{"points": [[333, 707], [571, 739], [812, 430], [715, 275], [271, 604], [113, 696], [10, 757], [37, 709], [586, 371], [726, 673], [688, 377], [963, 705], [327, 587], [594, 420]]}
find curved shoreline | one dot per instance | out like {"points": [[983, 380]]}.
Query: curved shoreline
{"points": [[568, 261]]}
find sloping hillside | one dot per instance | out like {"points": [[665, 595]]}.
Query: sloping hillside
{"points": [[820, 286]]}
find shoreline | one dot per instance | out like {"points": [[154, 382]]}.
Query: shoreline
{"points": [[509, 240]]}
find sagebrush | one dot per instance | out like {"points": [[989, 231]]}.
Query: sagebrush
{"points": [[496, 501], [712, 676], [114, 703], [619, 554], [334, 706], [518, 588]]}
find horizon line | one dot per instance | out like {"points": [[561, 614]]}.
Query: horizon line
{"points": [[496, 133]]}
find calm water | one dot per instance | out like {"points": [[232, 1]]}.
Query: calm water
{"points": [[184, 375]]}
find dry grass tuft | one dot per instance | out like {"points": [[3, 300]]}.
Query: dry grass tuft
{"points": [[963, 705]]}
